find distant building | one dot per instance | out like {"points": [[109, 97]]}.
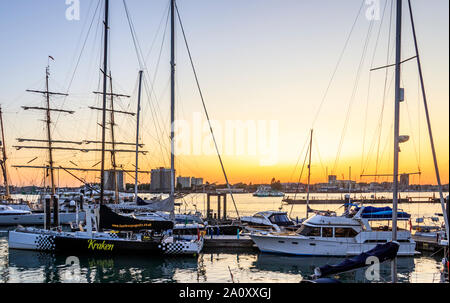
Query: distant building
{"points": [[196, 181], [185, 182], [160, 180], [404, 180], [332, 179], [109, 183]]}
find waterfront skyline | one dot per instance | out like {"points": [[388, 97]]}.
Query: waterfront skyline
{"points": [[276, 66]]}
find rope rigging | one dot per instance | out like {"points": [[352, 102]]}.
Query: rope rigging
{"points": [[205, 110]]}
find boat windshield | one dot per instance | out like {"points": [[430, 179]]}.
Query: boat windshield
{"points": [[308, 231], [280, 219]]}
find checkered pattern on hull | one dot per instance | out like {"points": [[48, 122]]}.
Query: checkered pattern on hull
{"points": [[176, 248], [45, 242]]}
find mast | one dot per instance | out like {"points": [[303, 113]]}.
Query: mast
{"points": [[309, 176], [398, 99], [49, 137], [105, 71], [430, 133], [137, 138], [3, 162], [50, 167], [172, 105], [113, 145]]}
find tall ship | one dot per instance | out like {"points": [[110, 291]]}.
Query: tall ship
{"points": [[107, 231]]}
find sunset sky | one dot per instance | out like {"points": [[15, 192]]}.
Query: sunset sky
{"points": [[264, 64]]}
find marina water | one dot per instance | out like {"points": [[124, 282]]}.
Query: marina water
{"points": [[245, 266]]}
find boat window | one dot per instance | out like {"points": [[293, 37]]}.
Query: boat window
{"points": [[344, 232], [277, 219], [327, 232], [306, 230]]}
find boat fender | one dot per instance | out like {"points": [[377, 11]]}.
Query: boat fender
{"points": [[317, 272]]}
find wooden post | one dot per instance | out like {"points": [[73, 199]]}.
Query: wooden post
{"points": [[225, 206], [208, 206], [218, 207]]}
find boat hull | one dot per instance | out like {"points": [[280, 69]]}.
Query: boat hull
{"points": [[70, 243], [302, 246], [37, 219], [51, 242]]}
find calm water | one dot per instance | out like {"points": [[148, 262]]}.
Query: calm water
{"points": [[252, 267]]}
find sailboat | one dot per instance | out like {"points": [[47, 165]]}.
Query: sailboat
{"points": [[352, 233], [106, 231]]}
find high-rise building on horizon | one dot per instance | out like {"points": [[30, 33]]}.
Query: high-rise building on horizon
{"points": [[196, 181], [332, 179], [185, 182], [160, 180]]}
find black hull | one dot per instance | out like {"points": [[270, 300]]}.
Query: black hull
{"points": [[106, 247]]}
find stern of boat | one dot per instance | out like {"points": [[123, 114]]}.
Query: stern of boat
{"points": [[179, 247], [29, 239]]}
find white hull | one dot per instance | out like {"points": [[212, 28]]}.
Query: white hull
{"points": [[38, 219], [304, 246], [20, 240], [183, 247]]}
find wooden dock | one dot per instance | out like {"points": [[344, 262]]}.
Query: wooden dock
{"points": [[427, 243], [290, 201], [229, 242]]}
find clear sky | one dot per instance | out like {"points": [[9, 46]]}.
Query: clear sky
{"points": [[258, 61]]}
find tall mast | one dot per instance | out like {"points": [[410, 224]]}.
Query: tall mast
{"points": [[137, 137], [105, 71], [113, 145], [309, 176], [3, 162], [398, 99], [53, 201], [172, 105], [430, 133]]}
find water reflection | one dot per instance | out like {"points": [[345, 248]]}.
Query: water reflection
{"points": [[33, 267], [72, 269], [304, 267]]}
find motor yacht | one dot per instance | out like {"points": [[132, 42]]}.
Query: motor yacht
{"points": [[358, 230]]}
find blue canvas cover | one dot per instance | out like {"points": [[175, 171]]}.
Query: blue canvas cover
{"points": [[371, 212], [383, 252]]}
